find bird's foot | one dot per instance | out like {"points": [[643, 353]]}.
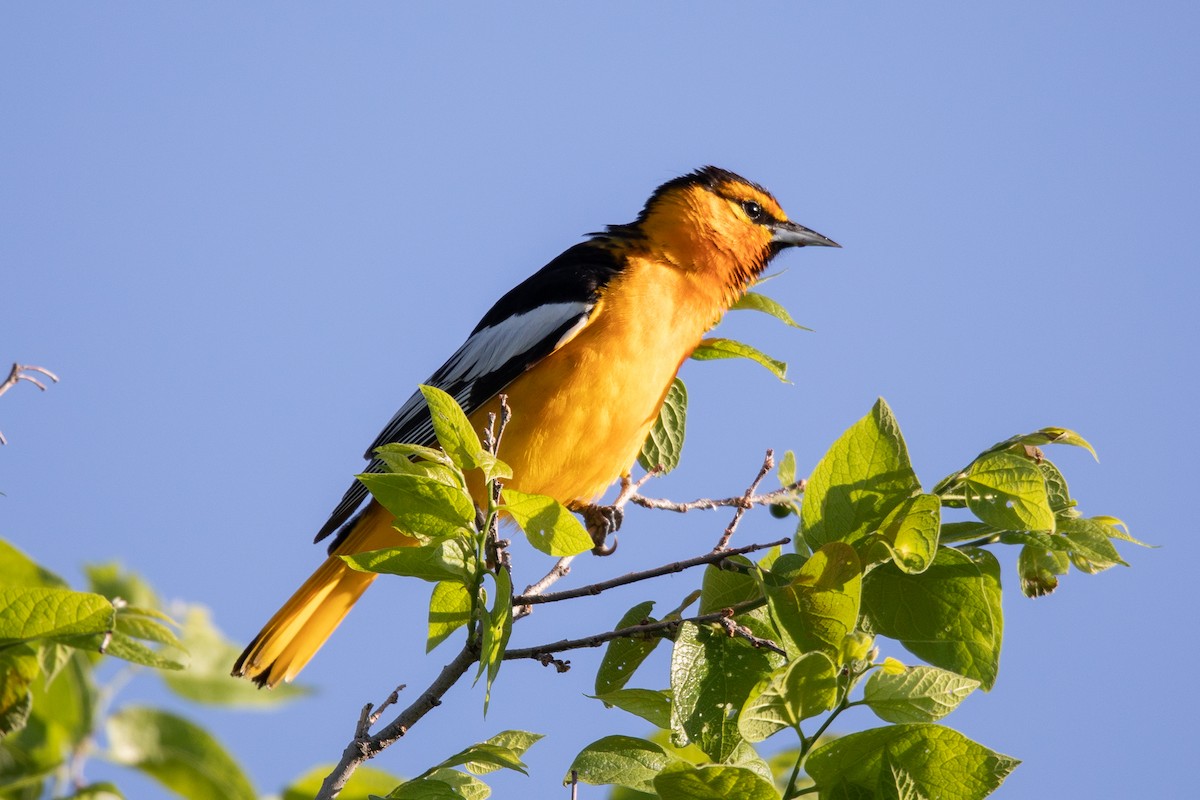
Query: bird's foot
{"points": [[601, 522]]}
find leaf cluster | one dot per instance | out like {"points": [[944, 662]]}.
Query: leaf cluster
{"points": [[873, 558]]}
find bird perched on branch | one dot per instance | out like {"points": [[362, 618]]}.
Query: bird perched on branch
{"points": [[585, 350]]}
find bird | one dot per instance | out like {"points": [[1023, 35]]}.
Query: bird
{"points": [[585, 351]]}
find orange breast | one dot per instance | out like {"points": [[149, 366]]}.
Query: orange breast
{"points": [[579, 416]]}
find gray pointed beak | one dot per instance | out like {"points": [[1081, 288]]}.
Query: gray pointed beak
{"points": [[789, 234]]}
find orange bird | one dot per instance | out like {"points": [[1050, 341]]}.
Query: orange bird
{"points": [[585, 349]]}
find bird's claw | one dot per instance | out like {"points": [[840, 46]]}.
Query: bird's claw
{"points": [[601, 522]]}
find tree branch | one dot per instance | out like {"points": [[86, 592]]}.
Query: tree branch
{"points": [[592, 589], [539, 652], [708, 504], [365, 746], [768, 462]]}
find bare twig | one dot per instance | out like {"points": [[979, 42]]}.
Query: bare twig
{"points": [[633, 631], [366, 746], [741, 631], [529, 598], [20, 372], [708, 504], [768, 462]]}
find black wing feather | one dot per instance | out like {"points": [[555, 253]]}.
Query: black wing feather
{"points": [[577, 276]]}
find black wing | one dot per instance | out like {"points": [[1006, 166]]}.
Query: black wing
{"points": [[527, 324]]}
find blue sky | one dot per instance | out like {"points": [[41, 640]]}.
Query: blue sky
{"points": [[241, 235]]}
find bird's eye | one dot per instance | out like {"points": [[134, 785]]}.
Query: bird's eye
{"points": [[753, 210]]}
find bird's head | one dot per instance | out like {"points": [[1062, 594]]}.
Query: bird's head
{"points": [[713, 220]]}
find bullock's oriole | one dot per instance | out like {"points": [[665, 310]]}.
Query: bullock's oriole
{"points": [[585, 350]]}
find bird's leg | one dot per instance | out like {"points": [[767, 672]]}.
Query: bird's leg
{"points": [[601, 522]]}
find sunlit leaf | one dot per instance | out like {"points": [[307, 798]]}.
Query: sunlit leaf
{"points": [[819, 605], [939, 762], [917, 694], [855, 485], [664, 444], [624, 654], [948, 615], [801, 689], [547, 523], [449, 610], [717, 348], [620, 761]]}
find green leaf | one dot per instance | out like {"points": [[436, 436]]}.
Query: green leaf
{"points": [[948, 615], [28, 613], [180, 755], [909, 534], [712, 674], [1057, 492], [918, 694], [364, 782], [133, 623], [1041, 437], [1008, 492], [399, 459], [686, 782], [787, 469], [449, 610], [939, 762], [483, 755], [1119, 530], [621, 761], [497, 628], [125, 647], [18, 670], [953, 532], [664, 443], [423, 506], [1037, 568], [424, 789], [207, 679], [516, 742], [18, 569], [819, 606], [443, 560], [625, 654], [804, 688], [753, 301], [728, 585], [652, 705], [548, 524], [467, 786], [712, 349], [60, 719], [855, 485], [454, 431], [1092, 550]]}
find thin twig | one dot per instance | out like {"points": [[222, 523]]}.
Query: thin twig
{"points": [[768, 462], [742, 632], [633, 631], [17, 374], [365, 747], [708, 504], [521, 606], [529, 598]]}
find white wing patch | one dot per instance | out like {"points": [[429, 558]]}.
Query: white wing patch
{"points": [[491, 348], [485, 352]]}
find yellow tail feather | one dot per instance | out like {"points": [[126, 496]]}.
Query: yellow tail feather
{"points": [[310, 616]]}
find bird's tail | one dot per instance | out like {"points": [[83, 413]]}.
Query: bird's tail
{"points": [[310, 616]]}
